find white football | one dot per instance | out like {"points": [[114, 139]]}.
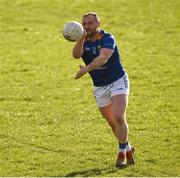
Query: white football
{"points": [[73, 31]]}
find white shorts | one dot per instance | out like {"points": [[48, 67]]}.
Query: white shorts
{"points": [[104, 94]]}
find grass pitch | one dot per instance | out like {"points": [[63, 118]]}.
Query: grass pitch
{"points": [[49, 122]]}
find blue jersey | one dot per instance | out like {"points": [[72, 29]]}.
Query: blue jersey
{"points": [[112, 70]]}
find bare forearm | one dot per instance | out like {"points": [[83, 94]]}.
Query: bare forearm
{"points": [[78, 49], [97, 62]]}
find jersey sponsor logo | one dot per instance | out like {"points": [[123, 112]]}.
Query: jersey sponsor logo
{"points": [[94, 50], [87, 49]]}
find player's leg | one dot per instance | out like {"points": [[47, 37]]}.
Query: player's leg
{"points": [[119, 95], [104, 102], [107, 113], [119, 107]]}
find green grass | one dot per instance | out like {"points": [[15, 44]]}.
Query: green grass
{"points": [[49, 122]]}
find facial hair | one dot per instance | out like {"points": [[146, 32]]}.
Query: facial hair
{"points": [[91, 34]]}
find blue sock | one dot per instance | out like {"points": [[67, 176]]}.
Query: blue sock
{"points": [[122, 147]]}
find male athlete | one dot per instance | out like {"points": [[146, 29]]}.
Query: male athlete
{"points": [[99, 52]]}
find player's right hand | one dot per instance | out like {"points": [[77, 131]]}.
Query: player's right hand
{"points": [[84, 36]]}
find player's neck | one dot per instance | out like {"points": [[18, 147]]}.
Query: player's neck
{"points": [[95, 36]]}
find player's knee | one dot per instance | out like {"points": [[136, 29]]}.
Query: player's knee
{"points": [[120, 118]]}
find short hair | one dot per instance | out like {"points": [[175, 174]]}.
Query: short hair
{"points": [[94, 14]]}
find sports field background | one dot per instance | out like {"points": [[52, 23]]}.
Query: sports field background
{"points": [[49, 122]]}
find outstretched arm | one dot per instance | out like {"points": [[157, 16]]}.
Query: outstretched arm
{"points": [[99, 61]]}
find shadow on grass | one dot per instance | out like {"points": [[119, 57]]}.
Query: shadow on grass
{"points": [[92, 172]]}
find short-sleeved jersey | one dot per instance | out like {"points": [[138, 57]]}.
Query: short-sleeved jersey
{"points": [[112, 70]]}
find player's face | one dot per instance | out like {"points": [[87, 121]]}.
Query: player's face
{"points": [[90, 25]]}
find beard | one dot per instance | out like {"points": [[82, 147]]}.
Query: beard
{"points": [[91, 33]]}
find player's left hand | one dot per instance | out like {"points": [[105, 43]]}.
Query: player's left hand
{"points": [[82, 71]]}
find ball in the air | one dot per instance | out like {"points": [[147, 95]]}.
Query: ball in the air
{"points": [[73, 31]]}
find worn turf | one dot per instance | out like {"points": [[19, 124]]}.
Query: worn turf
{"points": [[49, 122]]}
